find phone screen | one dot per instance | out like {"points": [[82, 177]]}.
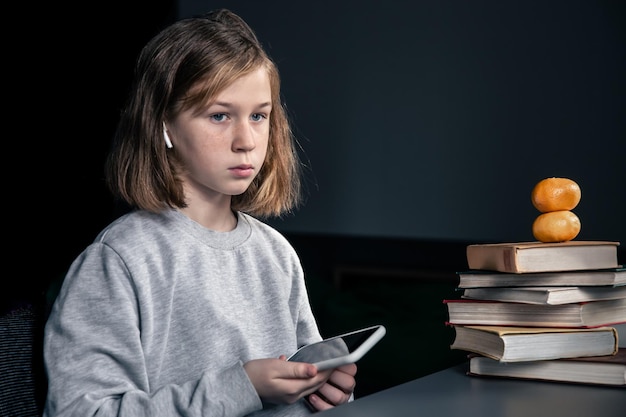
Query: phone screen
{"points": [[332, 347]]}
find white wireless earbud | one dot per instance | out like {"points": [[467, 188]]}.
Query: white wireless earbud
{"points": [[168, 142]]}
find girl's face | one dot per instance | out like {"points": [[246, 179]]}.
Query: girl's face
{"points": [[223, 147]]}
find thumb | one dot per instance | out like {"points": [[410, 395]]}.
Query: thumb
{"points": [[304, 370]]}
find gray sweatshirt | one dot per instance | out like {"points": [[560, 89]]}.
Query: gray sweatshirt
{"points": [[158, 315]]}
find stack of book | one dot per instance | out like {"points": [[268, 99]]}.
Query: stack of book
{"points": [[543, 311]]}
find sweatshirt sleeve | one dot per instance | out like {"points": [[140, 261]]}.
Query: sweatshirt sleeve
{"points": [[94, 351]]}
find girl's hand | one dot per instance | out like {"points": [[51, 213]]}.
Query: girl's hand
{"points": [[337, 390], [279, 381]]}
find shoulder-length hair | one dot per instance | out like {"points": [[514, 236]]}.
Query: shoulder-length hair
{"points": [[184, 67]]}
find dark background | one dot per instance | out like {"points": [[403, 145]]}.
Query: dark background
{"points": [[434, 119], [424, 126], [70, 71]]}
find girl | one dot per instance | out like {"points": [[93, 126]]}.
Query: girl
{"points": [[187, 305]]}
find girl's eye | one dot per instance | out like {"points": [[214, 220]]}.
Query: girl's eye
{"points": [[218, 117], [257, 117]]}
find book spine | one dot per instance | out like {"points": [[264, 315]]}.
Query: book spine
{"points": [[503, 259], [509, 259]]}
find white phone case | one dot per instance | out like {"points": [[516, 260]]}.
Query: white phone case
{"points": [[340, 350]]}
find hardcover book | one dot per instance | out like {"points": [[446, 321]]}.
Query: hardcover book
{"points": [[595, 277], [545, 295], [516, 344], [609, 370], [526, 257], [503, 313]]}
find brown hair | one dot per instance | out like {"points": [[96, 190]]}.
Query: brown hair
{"points": [[184, 67]]}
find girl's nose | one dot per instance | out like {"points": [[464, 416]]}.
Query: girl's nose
{"points": [[244, 137]]}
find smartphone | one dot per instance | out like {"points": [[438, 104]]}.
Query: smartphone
{"points": [[339, 350]]}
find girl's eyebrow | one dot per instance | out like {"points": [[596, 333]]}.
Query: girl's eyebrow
{"points": [[230, 105]]}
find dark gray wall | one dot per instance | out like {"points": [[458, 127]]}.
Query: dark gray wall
{"points": [[434, 119]]}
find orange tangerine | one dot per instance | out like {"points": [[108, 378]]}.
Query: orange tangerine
{"points": [[555, 194], [556, 226]]}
